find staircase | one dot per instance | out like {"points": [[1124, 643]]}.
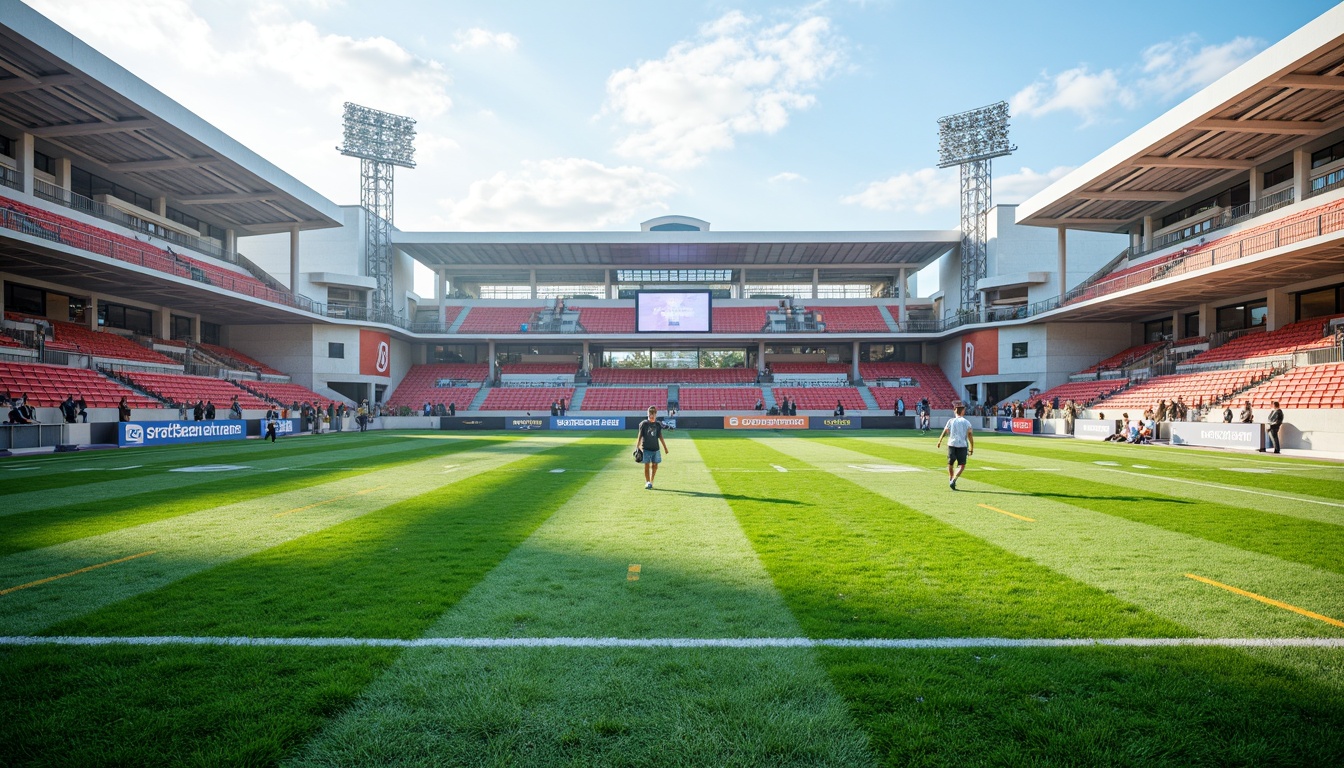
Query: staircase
{"points": [[885, 311], [768, 396], [576, 402], [461, 318], [479, 399], [869, 401]]}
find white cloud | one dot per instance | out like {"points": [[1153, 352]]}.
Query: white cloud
{"points": [[1165, 71], [477, 38], [167, 28], [565, 193], [923, 191], [787, 177], [737, 77], [1017, 187]]}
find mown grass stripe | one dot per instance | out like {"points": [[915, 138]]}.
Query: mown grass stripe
{"points": [[76, 572], [1006, 512], [1267, 600]]}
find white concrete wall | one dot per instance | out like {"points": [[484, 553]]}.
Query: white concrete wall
{"points": [[1014, 250]]}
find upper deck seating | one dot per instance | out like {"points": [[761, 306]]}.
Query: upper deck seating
{"points": [[1205, 388], [1295, 337], [739, 319], [238, 359], [606, 376], [840, 368], [607, 319], [451, 313], [929, 382], [821, 398], [633, 399], [1124, 357], [1081, 392], [860, 319], [534, 399], [533, 369], [47, 385], [179, 389], [719, 398], [72, 337], [1309, 386], [286, 393], [497, 319]]}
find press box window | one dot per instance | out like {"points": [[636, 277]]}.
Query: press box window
{"points": [[336, 350], [1019, 349]]}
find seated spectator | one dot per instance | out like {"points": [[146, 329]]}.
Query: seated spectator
{"points": [[82, 407], [1247, 416], [1227, 414], [69, 410], [123, 410], [1121, 433], [759, 404], [774, 411], [839, 408]]}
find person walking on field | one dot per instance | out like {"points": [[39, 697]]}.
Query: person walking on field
{"points": [[960, 444], [649, 440]]}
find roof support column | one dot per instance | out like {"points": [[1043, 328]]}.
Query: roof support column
{"points": [[294, 259], [816, 278], [441, 292], [902, 287], [490, 353], [91, 313], [160, 205], [63, 173], [1062, 249], [532, 281], [584, 364], [165, 319], [1176, 329], [23, 153], [1301, 174], [1255, 189], [1147, 233], [742, 283], [854, 362], [230, 242], [606, 291], [760, 357], [1278, 309]]}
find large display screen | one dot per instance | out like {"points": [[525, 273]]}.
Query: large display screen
{"points": [[672, 312]]}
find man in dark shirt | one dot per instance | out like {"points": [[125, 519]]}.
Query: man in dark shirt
{"points": [[1275, 422], [649, 440], [69, 410]]}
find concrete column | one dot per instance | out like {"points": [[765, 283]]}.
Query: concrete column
{"points": [[606, 287], [532, 281], [760, 357], [741, 283], [816, 280], [1147, 233], [165, 317], [63, 173], [294, 260], [230, 242], [491, 354], [1301, 174], [1255, 187], [1279, 309], [904, 289], [1062, 250], [1176, 328], [196, 329], [1135, 236], [23, 155], [586, 367], [854, 363], [91, 312], [161, 206], [441, 290], [1206, 319]]}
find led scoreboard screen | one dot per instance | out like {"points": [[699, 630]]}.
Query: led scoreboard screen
{"points": [[672, 312]]}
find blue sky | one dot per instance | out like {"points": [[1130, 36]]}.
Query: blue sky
{"points": [[754, 116]]}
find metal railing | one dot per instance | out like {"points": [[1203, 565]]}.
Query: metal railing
{"points": [[11, 178], [1328, 181], [78, 202], [1217, 221]]}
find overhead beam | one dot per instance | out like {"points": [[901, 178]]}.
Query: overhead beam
{"points": [[1260, 126], [91, 129], [1313, 82], [1213, 163], [164, 164], [19, 84], [222, 198], [1153, 196]]}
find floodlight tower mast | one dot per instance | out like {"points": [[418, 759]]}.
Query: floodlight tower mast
{"points": [[971, 140], [381, 141]]}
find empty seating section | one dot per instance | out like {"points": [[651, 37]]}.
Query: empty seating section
{"points": [[87, 237], [72, 337], [496, 319], [929, 382], [9, 341], [649, 376], [1311, 386], [238, 359], [608, 319], [180, 389], [421, 385], [1295, 337], [852, 319], [450, 315], [739, 319], [287, 394], [809, 368], [1081, 392], [632, 399], [534, 399], [1124, 358], [718, 398], [47, 385], [821, 398], [539, 369], [1207, 388]]}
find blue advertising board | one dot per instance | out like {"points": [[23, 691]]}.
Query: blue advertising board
{"points": [[835, 422], [587, 422], [138, 433], [526, 423]]}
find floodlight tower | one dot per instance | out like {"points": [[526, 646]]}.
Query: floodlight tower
{"points": [[972, 139], [381, 141]]}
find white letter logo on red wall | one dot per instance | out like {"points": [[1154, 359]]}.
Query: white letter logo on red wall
{"points": [[968, 355], [384, 354]]}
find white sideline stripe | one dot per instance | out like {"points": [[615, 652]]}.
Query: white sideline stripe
{"points": [[1222, 487], [686, 642]]}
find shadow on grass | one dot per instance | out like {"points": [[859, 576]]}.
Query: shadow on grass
{"points": [[735, 497], [1044, 494]]}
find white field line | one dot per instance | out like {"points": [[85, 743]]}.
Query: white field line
{"points": [[684, 642], [1222, 487]]}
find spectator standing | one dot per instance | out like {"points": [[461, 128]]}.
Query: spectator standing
{"points": [[235, 409], [900, 406], [123, 410], [1247, 416], [83, 408], [199, 411], [68, 411], [960, 444], [452, 408], [1227, 414], [1275, 423], [209, 410]]}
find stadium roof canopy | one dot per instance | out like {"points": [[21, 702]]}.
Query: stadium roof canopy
{"points": [[782, 256], [62, 91], [1288, 94]]}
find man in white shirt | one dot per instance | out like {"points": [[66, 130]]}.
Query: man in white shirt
{"points": [[960, 444]]}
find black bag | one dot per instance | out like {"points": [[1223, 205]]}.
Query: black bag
{"points": [[639, 455]]}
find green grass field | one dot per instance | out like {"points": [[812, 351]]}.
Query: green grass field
{"points": [[779, 599]]}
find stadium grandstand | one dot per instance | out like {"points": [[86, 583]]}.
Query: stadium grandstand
{"points": [[146, 253]]}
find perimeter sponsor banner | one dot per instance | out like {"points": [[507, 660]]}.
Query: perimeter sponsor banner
{"points": [[471, 422], [1250, 437], [587, 422], [138, 433], [980, 353], [375, 353], [1093, 429], [836, 422], [529, 422], [765, 422], [1024, 426]]}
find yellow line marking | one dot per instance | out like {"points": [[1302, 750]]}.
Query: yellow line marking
{"points": [[1268, 600], [328, 501], [75, 573], [1006, 512], [633, 573]]}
